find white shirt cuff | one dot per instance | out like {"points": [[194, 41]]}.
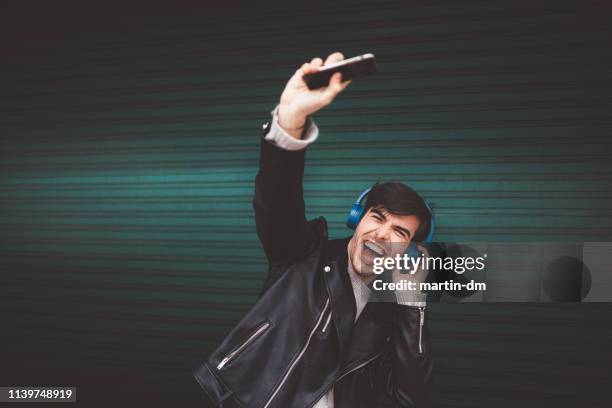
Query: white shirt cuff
{"points": [[282, 139]]}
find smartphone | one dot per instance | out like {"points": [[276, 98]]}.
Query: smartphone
{"points": [[350, 68]]}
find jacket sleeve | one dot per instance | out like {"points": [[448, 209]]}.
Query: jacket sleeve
{"points": [[279, 205], [403, 370]]}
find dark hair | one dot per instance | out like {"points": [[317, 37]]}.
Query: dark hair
{"points": [[399, 199]]}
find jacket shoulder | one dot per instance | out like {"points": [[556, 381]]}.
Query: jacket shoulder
{"points": [[318, 250]]}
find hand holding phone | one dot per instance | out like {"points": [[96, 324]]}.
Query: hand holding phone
{"points": [[298, 101], [350, 68]]}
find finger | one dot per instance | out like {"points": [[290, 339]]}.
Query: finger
{"points": [[312, 66], [307, 68], [334, 87], [336, 82], [335, 57], [316, 62], [345, 84], [299, 73]]}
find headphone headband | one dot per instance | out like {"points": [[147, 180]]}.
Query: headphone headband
{"points": [[363, 195]]}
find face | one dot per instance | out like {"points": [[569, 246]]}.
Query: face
{"points": [[380, 233]]}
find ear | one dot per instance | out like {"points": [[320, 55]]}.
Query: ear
{"points": [[355, 216]]}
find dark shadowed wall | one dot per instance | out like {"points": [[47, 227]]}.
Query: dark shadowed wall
{"points": [[129, 141]]}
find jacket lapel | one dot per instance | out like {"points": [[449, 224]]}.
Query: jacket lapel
{"points": [[340, 292], [358, 340], [372, 330]]}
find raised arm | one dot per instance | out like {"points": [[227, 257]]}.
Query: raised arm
{"points": [[279, 204]]}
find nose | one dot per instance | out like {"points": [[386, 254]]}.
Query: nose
{"points": [[383, 232]]}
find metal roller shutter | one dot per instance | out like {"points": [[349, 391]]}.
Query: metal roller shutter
{"points": [[128, 156]]}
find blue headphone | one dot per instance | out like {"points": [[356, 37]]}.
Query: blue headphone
{"points": [[358, 209]]}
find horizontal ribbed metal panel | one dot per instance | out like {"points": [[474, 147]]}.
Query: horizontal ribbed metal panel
{"points": [[128, 156]]}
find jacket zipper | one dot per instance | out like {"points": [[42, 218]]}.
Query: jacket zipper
{"points": [[327, 322], [297, 359], [421, 324], [358, 366], [241, 347], [369, 360]]}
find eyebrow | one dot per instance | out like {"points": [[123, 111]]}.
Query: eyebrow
{"points": [[382, 215]]}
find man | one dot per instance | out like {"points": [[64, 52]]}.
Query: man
{"points": [[313, 339]]}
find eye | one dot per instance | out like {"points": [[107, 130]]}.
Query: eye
{"points": [[377, 217], [402, 233]]}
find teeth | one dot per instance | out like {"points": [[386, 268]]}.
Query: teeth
{"points": [[372, 246]]}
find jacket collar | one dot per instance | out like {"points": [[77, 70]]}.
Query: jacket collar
{"points": [[358, 340]]}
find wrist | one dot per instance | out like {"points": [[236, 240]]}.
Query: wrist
{"points": [[290, 120]]}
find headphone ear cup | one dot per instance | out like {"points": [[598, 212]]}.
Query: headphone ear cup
{"points": [[413, 251], [354, 216]]}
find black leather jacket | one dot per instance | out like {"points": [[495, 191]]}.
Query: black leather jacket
{"points": [[300, 338]]}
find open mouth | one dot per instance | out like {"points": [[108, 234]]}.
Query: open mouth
{"points": [[373, 249]]}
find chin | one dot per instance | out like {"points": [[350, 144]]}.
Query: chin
{"points": [[367, 274], [362, 271]]}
